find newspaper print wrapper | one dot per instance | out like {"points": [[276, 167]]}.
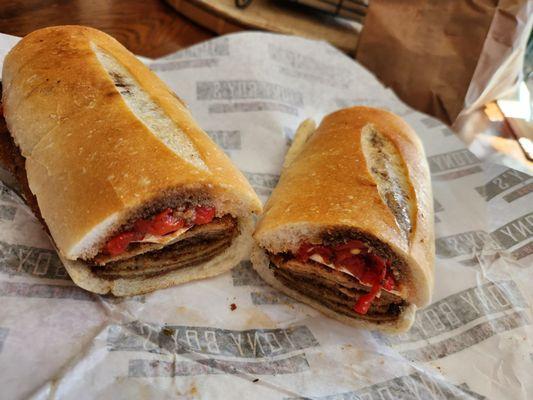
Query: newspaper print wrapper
{"points": [[233, 336]]}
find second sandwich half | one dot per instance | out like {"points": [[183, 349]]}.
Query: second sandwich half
{"points": [[134, 194], [349, 228]]}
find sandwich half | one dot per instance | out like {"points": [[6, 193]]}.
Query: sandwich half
{"points": [[349, 228], [133, 193]]}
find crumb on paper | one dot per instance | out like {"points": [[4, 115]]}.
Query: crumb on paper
{"points": [[255, 380], [193, 391], [233, 306], [168, 331]]}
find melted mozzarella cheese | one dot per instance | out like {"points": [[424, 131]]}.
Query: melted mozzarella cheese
{"points": [[318, 258], [165, 239]]}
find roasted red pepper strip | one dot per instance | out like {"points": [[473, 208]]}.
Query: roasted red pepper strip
{"points": [[304, 252], [165, 222], [356, 265], [119, 243], [142, 226], [365, 301], [159, 225], [204, 215], [307, 250], [325, 252], [369, 268], [341, 256], [388, 283]]}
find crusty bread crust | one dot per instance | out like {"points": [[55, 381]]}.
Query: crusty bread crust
{"points": [[404, 321], [90, 161], [328, 186]]}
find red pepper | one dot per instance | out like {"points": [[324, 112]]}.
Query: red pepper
{"points": [[369, 268], [165, 222], [345, 256], [306, 250], [355, 264], [365, 301], [325, 252], [375, 270], [378, 261], [341, 256], [388, 283], [204, 215], [142, 225], [161, 224], [119, 243]]}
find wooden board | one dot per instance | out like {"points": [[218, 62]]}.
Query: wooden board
{"points": [[222, 16], [146, 27]]}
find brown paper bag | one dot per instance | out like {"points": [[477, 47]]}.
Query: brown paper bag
{"points": [[430, 51]]}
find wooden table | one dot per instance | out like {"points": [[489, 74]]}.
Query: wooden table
{"points": [[147, 27]]}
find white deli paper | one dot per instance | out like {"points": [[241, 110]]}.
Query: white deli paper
{"points": [[249, 91]]}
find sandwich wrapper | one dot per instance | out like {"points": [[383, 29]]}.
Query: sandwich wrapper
{"points": [[232, 336]]}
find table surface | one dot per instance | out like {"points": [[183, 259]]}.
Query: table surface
{"points": [[149, 28]]}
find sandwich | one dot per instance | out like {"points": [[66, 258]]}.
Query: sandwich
{"points": [[134, 195], [349, 228]]}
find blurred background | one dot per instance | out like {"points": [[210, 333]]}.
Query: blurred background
{"points": [[468, 63]]}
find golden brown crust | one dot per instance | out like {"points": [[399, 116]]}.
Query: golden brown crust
{"points": [[88, 157], [328, 186]]}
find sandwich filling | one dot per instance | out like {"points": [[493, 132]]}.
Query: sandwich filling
{"points": [[162, 228], [353, 277], [197, 245], [170, 239]]}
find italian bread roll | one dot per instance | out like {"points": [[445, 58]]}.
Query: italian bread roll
{"points": [[349, 228], [134, 194]]}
